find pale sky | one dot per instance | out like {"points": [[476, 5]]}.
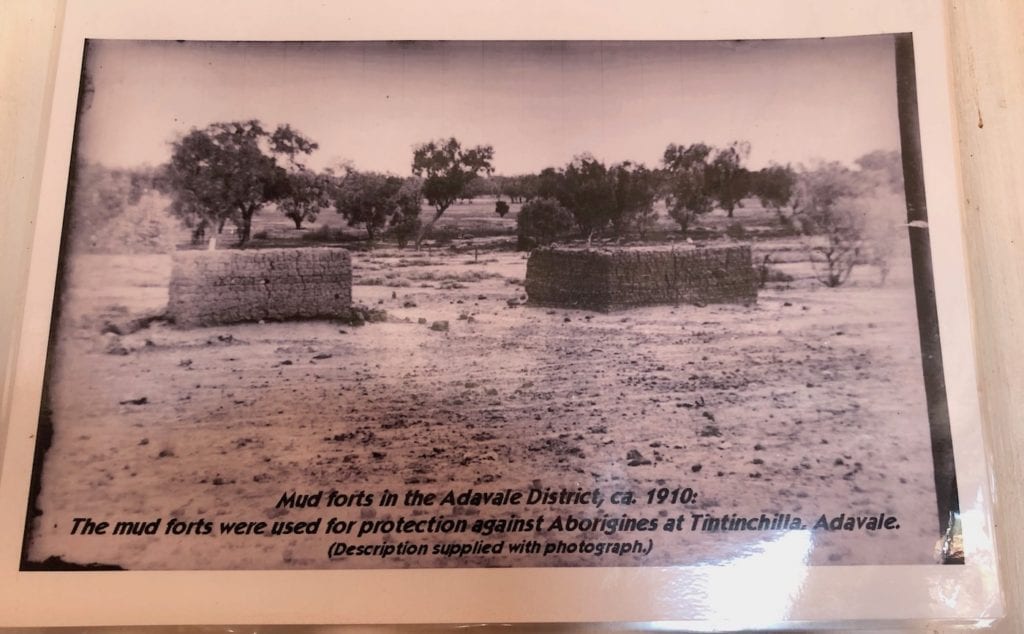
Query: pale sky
{"points": [[537, 103]]}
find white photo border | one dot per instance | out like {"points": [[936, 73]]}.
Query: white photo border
{"points": [[770, 593]]}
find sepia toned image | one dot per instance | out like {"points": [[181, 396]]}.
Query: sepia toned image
{"points": [[493, 304]]}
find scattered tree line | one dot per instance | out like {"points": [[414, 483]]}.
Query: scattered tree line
{"points": [[846, 215], [227, 172]]}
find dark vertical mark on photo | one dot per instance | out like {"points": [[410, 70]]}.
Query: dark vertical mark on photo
{"points": [[44, 433], [924, 285]]}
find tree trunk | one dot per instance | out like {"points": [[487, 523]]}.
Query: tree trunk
{"points": [[427, 227], [298, 223], [246, 229]]}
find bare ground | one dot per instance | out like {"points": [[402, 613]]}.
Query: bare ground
{"points": [[809, 402]]}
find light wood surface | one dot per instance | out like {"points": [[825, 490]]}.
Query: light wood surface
{"points": [[988, 55], [988, 62]]}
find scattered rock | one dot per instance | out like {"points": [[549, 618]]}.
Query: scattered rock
{"points": [[635, 459], [710, 431], [118, 350], [323, 355], [696, 468], [142, 400], [132, 325], [408, 304], [165, 453], [439, 326], [359, 315]]}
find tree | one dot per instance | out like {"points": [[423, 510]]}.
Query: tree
{"points": [[598, 196], [367, 199], [229, 171], [774, 186], [829, 200], [478, 188], [885, 167], [306, 195], [550, 183], [501, 208], [447, 169], [110, 209], [588, 192], [635, 189], [882, 173], [687, 189], [542, 221], [729, 180], [518, 188], [405, 220]]}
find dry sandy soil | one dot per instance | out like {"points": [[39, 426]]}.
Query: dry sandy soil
{"points": [[809, 402]]}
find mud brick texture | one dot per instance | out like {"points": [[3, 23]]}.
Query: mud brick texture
{"points": [[605, 279], [209, 288]]}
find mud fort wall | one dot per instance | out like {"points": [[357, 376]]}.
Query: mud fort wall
{"points": [[606, 279], [221, 287]]}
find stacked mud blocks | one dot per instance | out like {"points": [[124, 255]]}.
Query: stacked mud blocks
{"points": [[605, 279], [222, 287]]}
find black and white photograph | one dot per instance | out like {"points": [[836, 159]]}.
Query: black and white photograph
{"points": [[478, 304]]}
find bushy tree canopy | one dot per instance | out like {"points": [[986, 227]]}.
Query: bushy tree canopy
{"points": [[372, 200], [636, 188], [730, 180], [542, 221], [774, 186], [599, 196], [688, 191], [228, 171], [306, 195], [447, 169], [829, 202]]}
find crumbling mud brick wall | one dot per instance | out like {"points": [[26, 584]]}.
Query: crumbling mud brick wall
{"points": [[222, 287], [607, 279]]}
